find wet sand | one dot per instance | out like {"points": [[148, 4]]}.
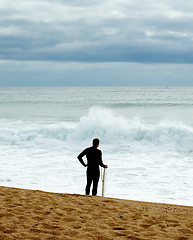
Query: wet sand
{"points": [[29, 214]]}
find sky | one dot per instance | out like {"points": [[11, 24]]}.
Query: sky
{"points": [[96, 43]]}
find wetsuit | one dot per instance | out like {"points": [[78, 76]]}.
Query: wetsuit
{"points": [[94, 159]]}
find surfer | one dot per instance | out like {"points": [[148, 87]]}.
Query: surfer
{"points": [[94, 159]]}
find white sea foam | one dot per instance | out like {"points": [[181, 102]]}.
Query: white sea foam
{"points": [[117, 130], [111, 129]]}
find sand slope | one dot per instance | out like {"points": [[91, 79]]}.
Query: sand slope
{"points": [[27, 214]]}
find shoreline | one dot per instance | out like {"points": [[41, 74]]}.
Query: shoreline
{"points": [[35, 214]]}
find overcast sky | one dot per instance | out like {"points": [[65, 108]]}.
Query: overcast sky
{"points": [[109, 42]]}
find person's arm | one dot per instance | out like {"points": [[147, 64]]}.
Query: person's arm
{"points": [[80, 156], [101, 161]]}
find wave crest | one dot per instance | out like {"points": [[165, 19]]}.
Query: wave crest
{"points": [[111, 129], [116, 130]]}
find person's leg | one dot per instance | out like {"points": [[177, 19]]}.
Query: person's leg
{"points": [[89, 182], [95, 183]]}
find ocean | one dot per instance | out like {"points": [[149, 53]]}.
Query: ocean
{"points": [[146, 137]]}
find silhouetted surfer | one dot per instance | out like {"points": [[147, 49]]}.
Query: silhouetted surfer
{"points": [[94, 159]]}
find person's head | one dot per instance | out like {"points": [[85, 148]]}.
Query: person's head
{"points": [[95, 142]]}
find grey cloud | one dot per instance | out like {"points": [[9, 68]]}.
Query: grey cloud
{"points": [[97, 31]]}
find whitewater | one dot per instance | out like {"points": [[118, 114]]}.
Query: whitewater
{"points": [[146, 137]]}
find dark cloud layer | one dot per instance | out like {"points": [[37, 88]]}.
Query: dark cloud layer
{"points": [[97, 31]]}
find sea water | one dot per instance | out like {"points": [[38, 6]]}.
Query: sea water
{"points": [[146, 139]]}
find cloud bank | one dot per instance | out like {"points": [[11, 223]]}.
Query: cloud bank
{"points": [[97, 31]]}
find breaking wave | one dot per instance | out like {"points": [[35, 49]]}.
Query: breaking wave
{"points": [[102, 123]]}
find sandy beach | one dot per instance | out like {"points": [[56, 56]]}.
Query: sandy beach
{"points": [[30, 214]]}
